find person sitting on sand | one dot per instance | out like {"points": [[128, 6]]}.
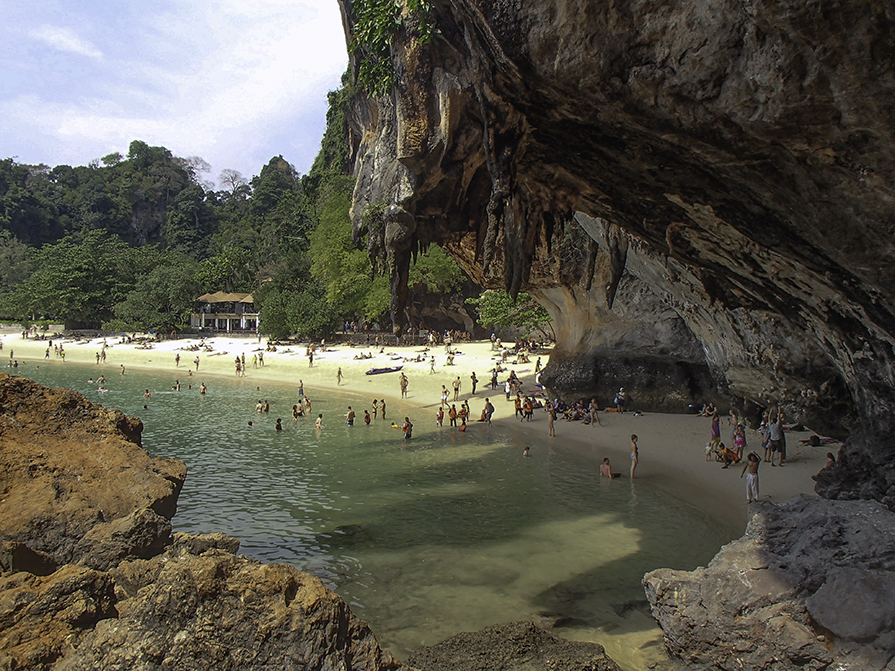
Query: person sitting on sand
{"points": [[728, 456]]}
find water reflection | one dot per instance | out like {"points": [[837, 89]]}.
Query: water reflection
{"points": [[448, 532]]}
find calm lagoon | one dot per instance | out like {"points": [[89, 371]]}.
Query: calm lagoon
{"points": [[444, 533]]}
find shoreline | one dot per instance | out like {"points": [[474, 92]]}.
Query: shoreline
{"points": [[672, 455]]}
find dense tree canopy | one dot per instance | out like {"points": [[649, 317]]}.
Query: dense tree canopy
{"points": [[131, 240]]}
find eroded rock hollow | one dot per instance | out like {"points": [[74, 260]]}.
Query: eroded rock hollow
{"points": [[700, 194]]}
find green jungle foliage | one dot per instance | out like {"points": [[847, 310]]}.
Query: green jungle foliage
{"points": [[130, 242], [376, 23], [498, 309]]}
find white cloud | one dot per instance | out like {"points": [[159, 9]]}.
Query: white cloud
{"points": [[225, 80], [64, 39]]}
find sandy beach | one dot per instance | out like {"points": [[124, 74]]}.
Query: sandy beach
{"points": [[672, 447]]}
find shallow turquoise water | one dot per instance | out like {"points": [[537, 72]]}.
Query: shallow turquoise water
{"points": [[447, 532]]}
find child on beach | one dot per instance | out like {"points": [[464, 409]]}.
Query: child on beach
{"points": [[752, 462]]}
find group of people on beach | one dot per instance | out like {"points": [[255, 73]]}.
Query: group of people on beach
{"points": [[773, 445]]}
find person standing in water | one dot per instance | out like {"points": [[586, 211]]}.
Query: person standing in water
{"points": [[407, 428], [339, 377], [319, 423], [752, 462], [635, 455], [349, 417]]}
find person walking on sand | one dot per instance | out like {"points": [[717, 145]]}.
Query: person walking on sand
{"points": [[339, 377], [196, 361], [595, 413], [432, 366], [176, 359], [489, 410], [635, 455], [752, 462], [716, 430]]}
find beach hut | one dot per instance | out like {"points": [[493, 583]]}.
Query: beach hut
{"points": [[228, 312]]}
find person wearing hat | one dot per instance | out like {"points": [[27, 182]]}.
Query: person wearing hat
{"points": [[620, 399]]}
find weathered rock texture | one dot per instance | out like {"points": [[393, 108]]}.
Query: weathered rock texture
{"points": [[700, 194], [75, 485], [216, 610], [516, 646], [812, 581], [91, 577]]}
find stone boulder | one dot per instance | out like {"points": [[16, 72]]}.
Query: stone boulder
{"points": [[76, 484], [216, 610], [42, 618], [811, 582], [516, 646]]}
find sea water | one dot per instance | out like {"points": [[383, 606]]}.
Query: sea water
{"points": [[424, 538]]}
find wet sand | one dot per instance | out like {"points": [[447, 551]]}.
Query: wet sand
{"points": [[672, 447]]}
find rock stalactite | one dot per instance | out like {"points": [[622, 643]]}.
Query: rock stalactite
{"points": [[704, 188]]}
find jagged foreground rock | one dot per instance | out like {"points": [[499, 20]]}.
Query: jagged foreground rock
{"points": [[811, 581], [516, 646], [700, 194], [76, 486], [91, 577]]}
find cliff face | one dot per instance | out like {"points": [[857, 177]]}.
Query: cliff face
{"points": [[700, 194]]}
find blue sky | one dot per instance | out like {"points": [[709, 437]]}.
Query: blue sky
{"points": [[234, 82]]}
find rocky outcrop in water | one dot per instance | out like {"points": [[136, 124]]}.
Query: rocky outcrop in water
{"points": [[76, 486], [91, 576], [515, 646], [699, 194], [812, 582], [212, 609]]}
